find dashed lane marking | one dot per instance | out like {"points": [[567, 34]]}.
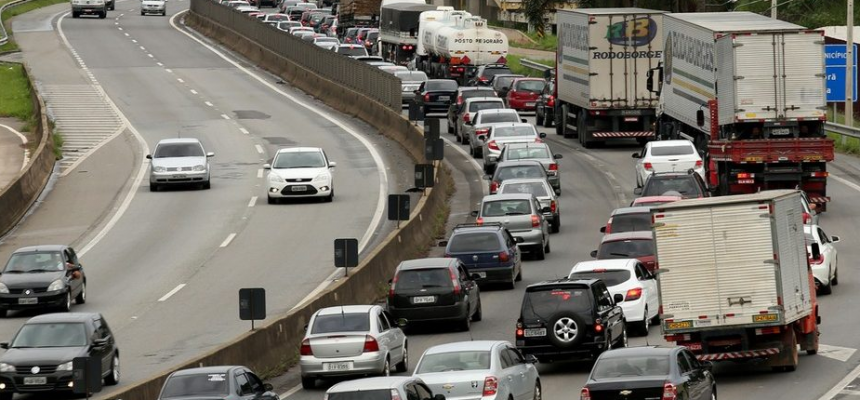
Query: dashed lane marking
{"points": [[172, 292], [227, 241]]}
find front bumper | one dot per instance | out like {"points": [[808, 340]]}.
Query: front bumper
{"points": [[455, 312], [43, 300], [298, 189], [179, 178], [156, 9], [57, 381], [89, 8], [364, 364]]}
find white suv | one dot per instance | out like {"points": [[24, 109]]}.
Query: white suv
{"points": [[300, 172], [153, 7]]}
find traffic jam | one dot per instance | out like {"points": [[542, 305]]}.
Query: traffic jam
{"points": [[742, 172]]}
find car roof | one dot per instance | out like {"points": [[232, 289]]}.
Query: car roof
{"points": [[345, 309], [178, 140], [298, 149], [667, 143], [515, 163], [633, 235], [423, 263], [510, 196], [561, 282], [630, 210], [40, 248], [216, 369], [474, 99], [64, 317], [380, 382], [471, 345], [639, 351], [505, 124], [615, 263]]}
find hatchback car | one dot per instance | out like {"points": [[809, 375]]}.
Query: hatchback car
{"points": [[538, 152], [276, 17], [435, 95], [481, 369], [824, 264], [479, 127], [522, 215], [503, 134], [328, 43], [350, 50], [629, 278], [287, 25], [545, 106], [410, 81], [516, 170], [300, 172], [688, 185], [179, 162], [42, 277], [628, 219], [639, 245], [667, 156], [469, 109], [540, 189], [524, 93], [488, 251], [39, 358], [228, 382], [464, 93], [485, 73], [349, 341], [502, 83], [382, 388], [153, 7], [650, 373], [434, 289], [651, 201]]}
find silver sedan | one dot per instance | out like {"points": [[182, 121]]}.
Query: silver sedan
{"points": [[479, 370], [179, 161]]}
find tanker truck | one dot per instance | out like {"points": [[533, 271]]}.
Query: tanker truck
{"points": [[749, 92], [452, 44], [398, 29]]}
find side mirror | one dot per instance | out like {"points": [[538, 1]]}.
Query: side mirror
{"points": [[332, 164], [636, 155], [210, 154], [546, 210], [474, 277], [439, 397], [637, 191], [602, 229], [700, 118], [402, 322], [474, 214], [593, 254], [707, 365], [531, 359], [557, 156], [834, 239], [268, 387], [99, 343], [148, 156], [267, 166], [4, 345], [541, 135], [482, 137], [618, 297], [816, 251], [519, 239], [525, 121], [443, 243]]}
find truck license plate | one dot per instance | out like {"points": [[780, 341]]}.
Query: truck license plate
{"points": [[535, 332], [423, 299], [337, 366], [679, 325], [35, 380], [765, 318], [28, 300], [780, 131]]}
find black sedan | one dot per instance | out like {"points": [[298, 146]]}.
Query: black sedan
{"points": [[545, 106], [220, 382], [42, 277], [650, 372], [435, 95]]}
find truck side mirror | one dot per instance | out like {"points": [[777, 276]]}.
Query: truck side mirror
{"points": [[654, 85], [700, 118]]}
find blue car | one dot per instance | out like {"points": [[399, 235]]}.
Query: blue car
{"points": [[488, 251]]}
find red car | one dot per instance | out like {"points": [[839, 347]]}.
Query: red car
{"points": [[524, 93], [648, 201], [638, 245]]}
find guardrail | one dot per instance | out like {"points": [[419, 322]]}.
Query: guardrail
{"points": [[844, 130], [4, 36], [535, 65]]}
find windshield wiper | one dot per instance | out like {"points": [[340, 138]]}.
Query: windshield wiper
{"points": [[42, 270], [620, 254], [13, 272]]}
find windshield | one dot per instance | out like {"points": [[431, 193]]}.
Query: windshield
{"points": [[341, 322], [526, 153], [513, 131], [538, 189], [506, 207], [454, 361], [520, 171], [411, 76], [675, 150], [196, 385], [352, 51], [499, 117], [316, 18], [377, 394], [299, 159], [530, 86], [372, 36], [178, 150], [543, 303], [685, 185], [504, 81], [441, 85], [476, 106], [617, 367], [71, 334], [489, 73], [412, 279], [34, 262], [631, 222], [609, 277], [474, 242], [626, 249], [351, 32]]}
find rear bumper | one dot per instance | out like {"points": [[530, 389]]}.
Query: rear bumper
{"points": [[587, 349], [494, 274], [363, 364], [738, 355], [435, 107], [530, 238], [519, 104], [457, 311], [615, 135]]}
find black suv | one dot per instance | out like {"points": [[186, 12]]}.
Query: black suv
{"points": [[39, 358], [688, 185], [48, 276], [564, 319], [484, 74], [434, 289]]}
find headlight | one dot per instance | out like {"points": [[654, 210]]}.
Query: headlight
{"points": [[275, 178], [56, 285], [200, 168], [7, 367], [4, 288], [158, 169], [65, 366], [322, 177]]}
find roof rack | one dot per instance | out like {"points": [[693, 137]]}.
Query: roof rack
{"points": [[473, 225]]}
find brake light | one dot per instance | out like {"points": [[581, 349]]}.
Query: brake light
{"points": [[494, 186], [427, 97], [482, 131], [492, 145], [467, 117], [585, 394], [670, 392], [806, 218], [816, 261], [648, 166], [699, 163], [553, 167], [819, 174], [503, 256], [598, 325], [395, 395], [483, 78], [552, 205], [460, 99], [535, 221], [370, 344], [550, 101], [633, 294], [520, 332], [491, 386], [745, 175], [479, 221], [306, 350], [391, 289], [455, 282]]}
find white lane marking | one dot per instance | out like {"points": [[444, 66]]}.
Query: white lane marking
{"points": [[836, 352], [243, 130], [169, 71], [141, 171], [193, 91], [119, 28], [376, 220], [23, 140], [143, 48], [133, 41], [126, 34], [848, 183], [180, 80], [253, 201], [259, 173], [227, 241], [291, 392], [149, 55], [172, 292], [259, 148], [209, 104], [841, 385], [116, 23], [159, 64], [225, 116]]}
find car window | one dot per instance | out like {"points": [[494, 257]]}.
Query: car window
{"points": [[640, 275], [674, 150], [527, 153], [538, 189], [491, 72], [411, 76], [515, 357], [544, 302], [388, 317], [823, 236], [243, 385], [60, 334], [464, 276], [424, 392], [378, 394], [683, 364], [626, 249], [611, 277], [476, 106], [520, 171], [341, 322], [166, 150], [509, 239], [685, 185], [810, 238], [604, 298], [299, 159], [506, 360], [499, 117], [382, 323], [477, 242], [454, 361], [501, 208], [631, 222], [694, 363], [513, 131], [34, 262], [256, 383], [617, 367], [214, 384], [414, 279], [530, 86], [411, 393], [441, 85]]}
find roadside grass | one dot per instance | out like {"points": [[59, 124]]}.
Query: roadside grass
{"points": [[517, 68], [58, 145], [18, 10], [548, 43], [851, 146], [14, 92]]}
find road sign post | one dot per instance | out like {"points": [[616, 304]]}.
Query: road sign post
{"points": [[86, 376], [398, 208], [252, 304], [345, 254]]}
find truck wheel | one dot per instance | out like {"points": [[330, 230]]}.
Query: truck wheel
{"points": [[559, 121], [789, 344], [582, 130]]}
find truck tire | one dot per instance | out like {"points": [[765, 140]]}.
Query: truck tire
{"points": [[560, 122], [789, 344], [582, 130]]}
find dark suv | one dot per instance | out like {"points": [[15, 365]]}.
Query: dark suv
{"points": [[39, 358], [434, 289], [488, 251], [688, 185], [565, 319], [463, 93], [435, 95], [484, 74], [38, 277]]}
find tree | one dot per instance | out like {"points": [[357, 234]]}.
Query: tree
{"points": [[535, 10]]}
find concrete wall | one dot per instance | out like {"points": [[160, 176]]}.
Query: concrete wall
{"points": [[17, 198], [276, 344]]}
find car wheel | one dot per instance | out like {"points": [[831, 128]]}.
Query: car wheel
{"points": [[538, 395], [164, 13], [309, 382], [479, 313], [271, 200], [643, 327], [103, 15], [826, 289], [67, 305], [479, 152], [450, 128], [472, 151], [547, 121], [622, 342], [386, 368], [540, 252], [556, 224], [75, 15], [152, 186], [466, 323], [546, 247], [3, 312], [82, 296], [113, 377], [538, 118], [835, 280], [142, 13], [207, 185], [403, 365], [519, 276]]}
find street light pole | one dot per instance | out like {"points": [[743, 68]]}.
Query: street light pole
{"points": [[849, 64], [773, 5]]}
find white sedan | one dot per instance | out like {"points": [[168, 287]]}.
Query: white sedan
{"points": [[824, 267], [300, 172], [629, 278], [667, 156]]}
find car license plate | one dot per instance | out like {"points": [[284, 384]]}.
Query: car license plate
{"points": [[35, 380], [481, 275], [443, 98], [679, 325], [299, 188], [423, 299], [530, 104], [337, 366], [535, 332], [178, 176], [28, 300], [765, 318]]}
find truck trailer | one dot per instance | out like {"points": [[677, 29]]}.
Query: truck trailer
{"points": [[603, 58], [734, 277], [398, 30], [749, 92]]}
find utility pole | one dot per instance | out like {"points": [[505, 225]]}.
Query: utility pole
{"points": [[773, 4], [849, 64]]}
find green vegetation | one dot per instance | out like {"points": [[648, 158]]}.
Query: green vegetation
{"points": [[851, 146], [14, 92], [517, 68], [18, 10], [549, 42], [58, 145]]}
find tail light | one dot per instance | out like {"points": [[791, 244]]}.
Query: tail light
{"points": [[550, 101], [648, 166], [535, 221], [391, 289], [494, 186], [491, 386], [504, 257], [427, 97], [306, 350], [482, 131], [598, 325], [538, 140], [395, 395], [585, 394], [633, 294], [483, 79], [552, 205], [370, 344], [699, 163], [816, 261], [553, 167], [492, 145], [745, 175], [455, 282], [459, 99], [806, 218], [479, 221], [819, 174], [670, 392], [467, 117]]}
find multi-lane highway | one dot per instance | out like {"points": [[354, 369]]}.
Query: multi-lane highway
{"points": [[165, 84]]}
